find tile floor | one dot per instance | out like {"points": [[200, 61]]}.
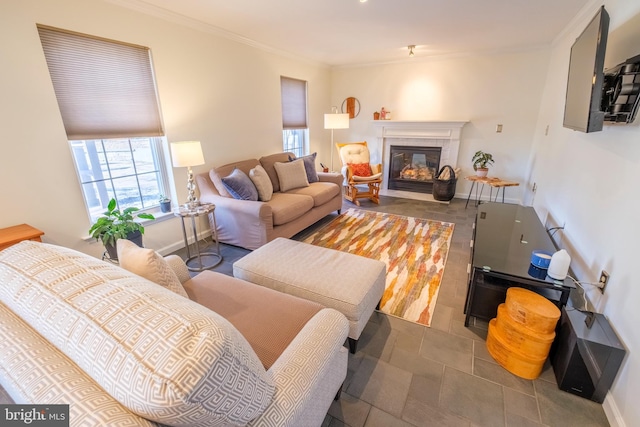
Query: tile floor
{"points": [[405, 374]]}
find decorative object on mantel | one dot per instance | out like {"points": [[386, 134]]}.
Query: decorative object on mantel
{"points": [[481, 161], [384, 114], [376, 115], [351, 106], [333, 121]]}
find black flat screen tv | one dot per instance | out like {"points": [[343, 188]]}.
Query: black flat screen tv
{"points": [[582, 110]]}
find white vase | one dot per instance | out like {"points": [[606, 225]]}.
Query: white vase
{"points": [[482, 172]]}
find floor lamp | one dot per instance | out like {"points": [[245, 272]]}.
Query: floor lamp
{"points": [[335, 121]]}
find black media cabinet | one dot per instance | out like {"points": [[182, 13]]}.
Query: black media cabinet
{"points": [[503, 239]]}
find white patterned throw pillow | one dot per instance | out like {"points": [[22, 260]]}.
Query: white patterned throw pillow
{"points": [[149, 264], [291, 175]]}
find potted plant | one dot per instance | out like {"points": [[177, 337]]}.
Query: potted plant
{"points": [[165, 204], [116, 225], [481, 161]]}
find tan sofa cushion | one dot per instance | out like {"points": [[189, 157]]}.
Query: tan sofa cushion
{"points": [[149, 264], [286, 207], [321, 192], [267, 163], [165, 358], [268, 319]]}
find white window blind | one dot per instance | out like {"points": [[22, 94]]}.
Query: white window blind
{"points": [[294, 103], [105, 88]]}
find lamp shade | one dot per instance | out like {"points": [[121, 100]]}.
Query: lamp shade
{"points": [[186, 153], [336, 121]]}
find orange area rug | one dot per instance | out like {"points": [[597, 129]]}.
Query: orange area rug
{"points": [[414, 250]]}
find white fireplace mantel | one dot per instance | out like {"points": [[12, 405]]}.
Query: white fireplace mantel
{"points": [[444, 134]]}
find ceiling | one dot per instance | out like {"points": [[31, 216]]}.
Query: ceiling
{"points": [[348, 32]]}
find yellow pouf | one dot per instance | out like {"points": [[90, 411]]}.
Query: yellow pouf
{"points": [[533, 311]]}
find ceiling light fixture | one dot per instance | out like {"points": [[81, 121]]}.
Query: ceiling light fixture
{"points": [[363, 1], [411, 47]]}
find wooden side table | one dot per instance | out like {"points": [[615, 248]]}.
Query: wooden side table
{"points": [[492, 182], [500, 183], [194, 212], [11, 235]]}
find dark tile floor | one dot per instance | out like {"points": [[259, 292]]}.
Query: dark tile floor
{"points": [[405, 374]]}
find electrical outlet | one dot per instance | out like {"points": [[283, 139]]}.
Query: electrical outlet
{"points": [[604, 279]]}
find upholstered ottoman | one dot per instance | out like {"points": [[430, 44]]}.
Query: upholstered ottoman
{"points": [[348, 283]]}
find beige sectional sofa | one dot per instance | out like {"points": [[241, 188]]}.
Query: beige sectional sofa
{"points": [[251, 224], [123, 350]]}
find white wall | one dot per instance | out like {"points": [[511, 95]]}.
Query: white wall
{"points": [[588, 181], [212, 89], [484, 90]]}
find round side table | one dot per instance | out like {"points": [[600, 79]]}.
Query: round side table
{"points": [[186, 211]]}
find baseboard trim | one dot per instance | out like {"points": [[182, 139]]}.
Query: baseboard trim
{"points": [[612, 412]]}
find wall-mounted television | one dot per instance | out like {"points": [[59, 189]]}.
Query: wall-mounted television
{"points": [[582, 110]]}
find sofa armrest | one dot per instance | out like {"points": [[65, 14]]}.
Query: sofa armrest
{"points": [[309, 372], [243, 223], [331, 177], [179, 267]]}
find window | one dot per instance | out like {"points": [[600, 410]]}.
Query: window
{"points": [[108, 101], [295, 141], [131, 170], [294, 116]]}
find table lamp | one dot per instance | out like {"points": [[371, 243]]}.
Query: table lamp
{"points": [[335, 121], [187, 154]]}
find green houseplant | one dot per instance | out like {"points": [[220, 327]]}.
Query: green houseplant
{"points": [[165, 203], [481, 161], [116, 224]]}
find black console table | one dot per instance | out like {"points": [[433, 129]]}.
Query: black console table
{"points": [[503, 239]]}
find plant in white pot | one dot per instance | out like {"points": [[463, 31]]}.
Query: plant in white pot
{"points": [[481, 162], [116, 225]]}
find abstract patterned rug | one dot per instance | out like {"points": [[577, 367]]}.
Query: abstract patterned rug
{"points": [[414, 250]]}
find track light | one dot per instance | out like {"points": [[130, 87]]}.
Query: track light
{"points": [[411, 47]]}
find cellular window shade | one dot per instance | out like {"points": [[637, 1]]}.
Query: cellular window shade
{"points": [[294, 103], [105, 89]]}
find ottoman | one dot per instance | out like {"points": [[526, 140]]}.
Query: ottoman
{"points": [[349, 283]]}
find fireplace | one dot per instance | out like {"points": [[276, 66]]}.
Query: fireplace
{"points": [[413, 168], [443, 135]]}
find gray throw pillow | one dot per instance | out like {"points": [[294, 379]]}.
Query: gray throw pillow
{"points": [[309, 166], [239, 185]]}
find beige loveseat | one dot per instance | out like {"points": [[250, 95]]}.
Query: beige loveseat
{"points": [[122, 350], [251, 224]]}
